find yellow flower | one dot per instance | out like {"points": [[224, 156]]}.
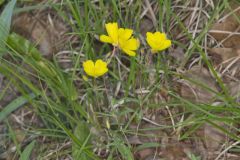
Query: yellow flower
{"points": [[120, 37], [158, 41], [96, 69]]}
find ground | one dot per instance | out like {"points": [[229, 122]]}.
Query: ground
{"points": [[181, 103]]}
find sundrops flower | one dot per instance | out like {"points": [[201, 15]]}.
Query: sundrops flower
{"points": [[96, 69], [158, 41], [120, 37]]}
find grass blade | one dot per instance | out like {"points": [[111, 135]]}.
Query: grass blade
{"points": [[27, 151], [124, 150], [5, 23], [15, 104]]}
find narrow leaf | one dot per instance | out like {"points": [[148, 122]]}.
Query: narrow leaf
{"points": [[15, 104], [5, 23], [123, 149], [83, 134], [27, 151], [1, 2]]}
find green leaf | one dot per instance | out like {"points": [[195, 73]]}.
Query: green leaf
{"points": [[5, 23], [27, 151], [148, 145], [123, 149], [193, 157], [22, 46], [82, 132], [15, 104], [2, 1]]}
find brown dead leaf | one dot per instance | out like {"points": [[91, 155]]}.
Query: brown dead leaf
{"points": [[227, 62], [177, 151], [144, 154], [234, 90], [20, 135], [146, 25], [213, 137], [212, 140], [151, 157], [177, 53], [220, 55], [44, 29], [192, 90], [224, 30], [150, 136]]}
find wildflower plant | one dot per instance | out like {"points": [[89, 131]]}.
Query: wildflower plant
{"points": [[122, 39]]}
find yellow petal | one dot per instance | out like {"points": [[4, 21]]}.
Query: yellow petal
{"points": [[112, 30], [131, 44], [129, 52], [100, 68], [125, 33], [160, 36], [149, 35], [106, 39], [151, 40], [88, 67], [100, 63], [166, 44], [100, 72]]}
